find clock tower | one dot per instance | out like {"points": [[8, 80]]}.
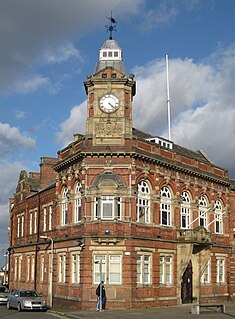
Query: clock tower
{"points": [[110, 93]]}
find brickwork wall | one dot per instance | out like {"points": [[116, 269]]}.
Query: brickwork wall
{"points": [[47, 172], [126, 235]]}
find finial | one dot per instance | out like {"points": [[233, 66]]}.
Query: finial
{"points": [[112, 26]]}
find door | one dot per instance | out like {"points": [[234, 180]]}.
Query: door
{"points": [[186, 285]]}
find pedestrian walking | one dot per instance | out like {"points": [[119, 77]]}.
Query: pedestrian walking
{"points": [[101, 296]]}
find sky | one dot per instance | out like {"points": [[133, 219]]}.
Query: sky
{"points": [[49, 46]]}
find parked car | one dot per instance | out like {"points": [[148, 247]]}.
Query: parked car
{"points": [[4, 293], [26, 300]]}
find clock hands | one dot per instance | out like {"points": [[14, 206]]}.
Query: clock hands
{"points": [[109, 103], [112, 106]]}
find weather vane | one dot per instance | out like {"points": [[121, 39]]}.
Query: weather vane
{"points": [[112, 26]]}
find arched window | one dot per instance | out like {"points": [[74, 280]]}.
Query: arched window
{"points": [[165, 206], [77, 202], [203, 209], [185, 209], [143, 202], [64, 207], [218, 217]]}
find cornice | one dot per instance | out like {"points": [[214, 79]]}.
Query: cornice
{"points": [[150, 158], [69, 160], [156, 159]]}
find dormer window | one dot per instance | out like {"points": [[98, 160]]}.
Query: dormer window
{"points": [[161, 142], [110, 55]]}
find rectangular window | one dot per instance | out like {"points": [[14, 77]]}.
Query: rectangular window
{"points": [[185, 214], [144, 269], [166, 269], [18, 264], [64, 213], [28, 267], [32, 268], [115, 54], [104, 54], [165, 214], [22, 225], [107, 207], [139, 269], [18, 226], [30, 223], [110, 54], [44, 219], [115, 269], [219, 223], [75, 268], [62, 268], [77, 210], [35, 222], [16, 268], [205, 278], [202, 217], [20, 268], [110, 272], [143, 209], [220, 270], [100, 266], [50, 218], [42, 268]]}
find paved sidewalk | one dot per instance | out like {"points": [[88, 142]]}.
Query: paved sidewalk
{"points": [[177, 312]]}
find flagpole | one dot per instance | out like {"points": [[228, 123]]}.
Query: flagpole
{"points": [[168, 99]]}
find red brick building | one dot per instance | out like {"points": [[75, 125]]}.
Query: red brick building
{"points": [[153, 219]]}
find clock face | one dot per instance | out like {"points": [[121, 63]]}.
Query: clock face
{"points": [[109, 103]]}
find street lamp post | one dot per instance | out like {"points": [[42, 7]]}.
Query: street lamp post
{"points": [[51, 269], [5, 268]]}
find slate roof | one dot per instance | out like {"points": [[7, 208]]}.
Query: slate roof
{"points": [[34, 184], [111, 44], [197, 155]]}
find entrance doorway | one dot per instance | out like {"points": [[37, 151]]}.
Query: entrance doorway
{"points": [[186, 285]]}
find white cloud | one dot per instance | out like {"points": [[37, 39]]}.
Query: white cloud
{"points": [[74, 124], [164, 13], [4, 217], [189, 86], [11, 140], [9, 176], [32, 84], [28, 31], [202, 104], [62, 54], [19, 114]]}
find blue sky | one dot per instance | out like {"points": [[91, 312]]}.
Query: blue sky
{"points": [[48, 47]]}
